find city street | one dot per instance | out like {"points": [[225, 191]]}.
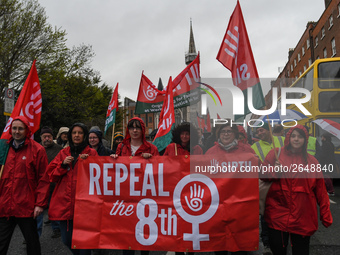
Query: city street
{"points": [[324, 241]]}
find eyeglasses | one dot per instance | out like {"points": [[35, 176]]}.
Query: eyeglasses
{"points": [[228, 132], [18, 128], [93, 138]]}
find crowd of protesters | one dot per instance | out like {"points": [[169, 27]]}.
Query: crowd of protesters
{"points": [[47, 174]]}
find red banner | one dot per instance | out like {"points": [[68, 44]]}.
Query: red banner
{"points": [[29, 103], [164, 204]]}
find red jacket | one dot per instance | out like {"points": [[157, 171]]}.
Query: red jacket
{"points": [[63, 197], [291, 204], [240, 148], [22, 186], [170, 150], [124, 148]]}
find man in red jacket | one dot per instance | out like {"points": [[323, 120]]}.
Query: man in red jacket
{"points": [[23, 190]]}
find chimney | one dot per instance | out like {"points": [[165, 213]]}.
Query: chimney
{"points": [[290, 53]]}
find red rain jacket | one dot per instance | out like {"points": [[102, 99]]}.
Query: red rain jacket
{"points": [[22, 186], [124, 148], [63, 197], [291, 204]]}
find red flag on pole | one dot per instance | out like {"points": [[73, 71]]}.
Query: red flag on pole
{"points": [[166, 120], [112, 110], [235, 52], [218, 116], [29, 103]]}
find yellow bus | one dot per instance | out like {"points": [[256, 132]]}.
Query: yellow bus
{"points": [[322, 79]]}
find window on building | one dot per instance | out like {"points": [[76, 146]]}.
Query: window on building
{"points": [[150, 119], [316, 42], [299, 57], [330, 21], [309, 62], [304, 68], [291, 68], [303, 50], [323, 32], [288, 73], [333, 47], [325, 53], [338, 10], [295, 62], [308, 43], [300, 73]]}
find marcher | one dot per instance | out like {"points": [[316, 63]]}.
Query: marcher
{"points": [[62, 138], [184, 141], [327, 161], [63, 170], [228, 145], [105, 142], [262, 148], [23, 188], [117, 139], [291, 204], [95, 141], [135, 144], [52, 149], [278, 130]]}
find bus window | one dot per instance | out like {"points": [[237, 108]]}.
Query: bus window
{"points": [[309, 80], [329, 101], [329, 75]]}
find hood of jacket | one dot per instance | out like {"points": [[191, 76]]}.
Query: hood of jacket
{"points": [[289, 133], [24, 120], [127, 134]]}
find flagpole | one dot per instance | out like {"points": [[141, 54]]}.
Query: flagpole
{"points": [[2, 169], [113, 132]]}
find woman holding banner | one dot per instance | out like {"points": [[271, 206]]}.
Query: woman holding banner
{"points": [[184, 141], [291, 204], [227, 144], [135, 144], [63, 171]]}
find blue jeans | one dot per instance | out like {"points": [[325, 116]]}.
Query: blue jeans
{"points": [[40, 220], [66, 231]]}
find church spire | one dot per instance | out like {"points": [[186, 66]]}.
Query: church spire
{"points": [[191, 55]]}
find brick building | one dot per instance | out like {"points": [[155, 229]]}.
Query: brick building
{"points": [[321, 39]]}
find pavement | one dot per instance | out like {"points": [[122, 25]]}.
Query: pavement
{"points": [[324, 241]]}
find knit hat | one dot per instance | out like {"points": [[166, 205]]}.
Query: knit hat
{"points": [[265, 126], [118, 135], [45, 130]]}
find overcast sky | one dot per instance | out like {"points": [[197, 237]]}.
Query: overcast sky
{"points": [[153, 35]]}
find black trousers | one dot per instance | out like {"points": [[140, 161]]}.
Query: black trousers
{"points": [[278, 242], [28, 227]]}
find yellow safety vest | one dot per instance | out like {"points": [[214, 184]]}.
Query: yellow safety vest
{"points": [[262, 148], [311, 146]]}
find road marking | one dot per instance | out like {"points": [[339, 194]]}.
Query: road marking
{"points": [[331, 201]]}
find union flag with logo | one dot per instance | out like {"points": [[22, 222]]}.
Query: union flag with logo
{"points": [[29, 103], [111, 110]]}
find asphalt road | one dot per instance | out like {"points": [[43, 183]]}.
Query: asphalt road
{"points": [[324, 241]]}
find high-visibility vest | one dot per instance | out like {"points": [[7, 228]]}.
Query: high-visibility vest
{"points": [[262, 148], [311, 146]]}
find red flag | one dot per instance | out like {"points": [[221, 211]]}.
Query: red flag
{"points": [[208, 121], [218, 116], [235, 52], [112, 110], [29, 103], [166, 120]]}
